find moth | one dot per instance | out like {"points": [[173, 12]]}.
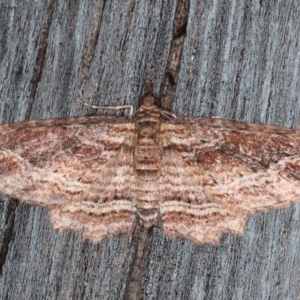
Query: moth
{"points": [[101, 174]]}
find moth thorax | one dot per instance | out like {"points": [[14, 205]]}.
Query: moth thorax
{"points": [[149, 101]]}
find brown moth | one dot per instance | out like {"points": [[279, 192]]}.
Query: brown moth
{"points": [[102, 174]]}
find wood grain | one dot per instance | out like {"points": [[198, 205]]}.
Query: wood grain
{"points": [[240, 61]]}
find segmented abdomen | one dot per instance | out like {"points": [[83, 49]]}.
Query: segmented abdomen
{"points": [[147, 156]]}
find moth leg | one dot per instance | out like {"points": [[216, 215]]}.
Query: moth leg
{"points": [[109, 107], [168, 114]]}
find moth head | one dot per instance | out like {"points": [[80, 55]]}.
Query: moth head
{"points": [[149, 99]]}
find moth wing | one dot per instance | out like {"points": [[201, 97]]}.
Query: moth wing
{"points": [[81, 169], [216, 172]]}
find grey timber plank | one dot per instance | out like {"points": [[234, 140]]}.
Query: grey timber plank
{"points": [[240, 61]]}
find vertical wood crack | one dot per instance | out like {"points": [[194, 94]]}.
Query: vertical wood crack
{"points": [[89, 49], [140, 242], [8, 208], [40, 59], [168, 88]]}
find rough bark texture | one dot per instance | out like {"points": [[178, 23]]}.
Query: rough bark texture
{"points": [[239, 60]]}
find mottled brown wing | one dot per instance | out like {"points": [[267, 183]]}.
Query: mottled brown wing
{"points": [[81, 169], [216, 172]]}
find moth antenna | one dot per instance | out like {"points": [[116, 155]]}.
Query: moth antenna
{"points": [[117, 107]]}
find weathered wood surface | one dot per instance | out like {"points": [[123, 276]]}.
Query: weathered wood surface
{"points": [[240, 61]]}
